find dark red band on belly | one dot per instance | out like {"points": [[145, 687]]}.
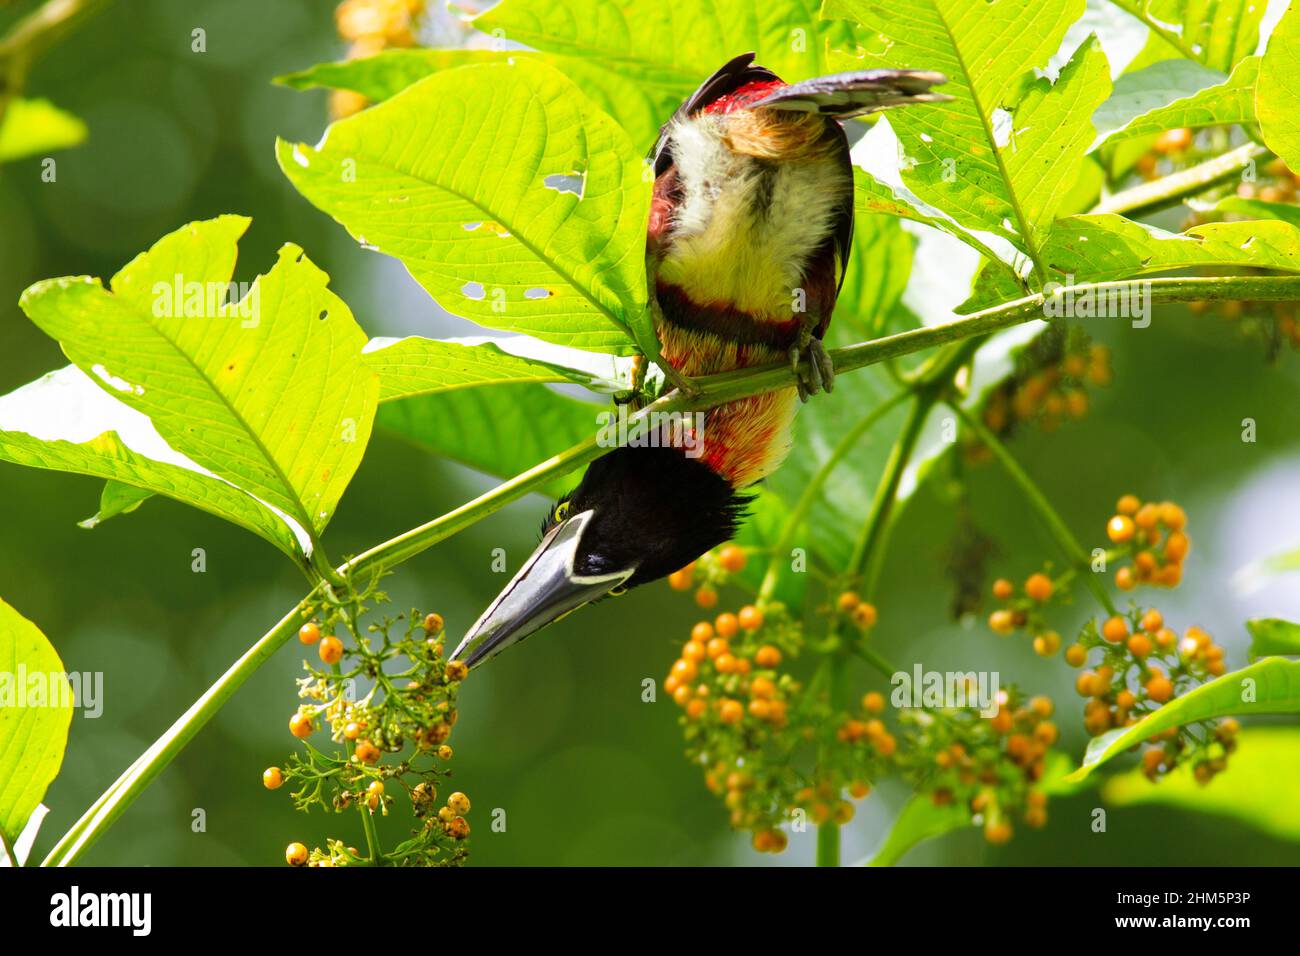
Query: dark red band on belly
{"points": [[723, 320]]}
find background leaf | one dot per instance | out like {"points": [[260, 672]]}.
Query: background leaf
{"points": [[1173, 94], [277, 400], [919, 820], [117, 498], [1216, 33], [1269, 635], [1258, 789], [32, 737], [1275, 683], [469, 178], [33, 127]]}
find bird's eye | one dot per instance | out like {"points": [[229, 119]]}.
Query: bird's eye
{"points": [[561, 511]]}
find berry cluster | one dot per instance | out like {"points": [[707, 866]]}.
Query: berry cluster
{"points": [[1049, 385], [1143, 665], [1154, 537], [1025, 612], [391, 739], [710, 572]]}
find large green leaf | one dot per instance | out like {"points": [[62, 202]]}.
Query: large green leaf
{"points": [[1269, 686], [1258, 788], [1260, 209], [508, 196], [1277, 94], [640, 108], [1271, 635], [33, 730], [65, 422], [1177, 93], [1005, 152], [1216, 33], [33, 127], [270, 393], [501, 430], [880, 261], [420, 366]]}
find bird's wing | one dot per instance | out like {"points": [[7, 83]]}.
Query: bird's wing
{"points": [[730, 77], [845, 95]]}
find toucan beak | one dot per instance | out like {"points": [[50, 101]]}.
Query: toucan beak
{"points": [[545, 589]]}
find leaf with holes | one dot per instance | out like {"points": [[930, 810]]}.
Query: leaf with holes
{"points": [[1004, 154], [35, 713], [1174, 94], [505, 193], [269, 393], [1269, 686]]}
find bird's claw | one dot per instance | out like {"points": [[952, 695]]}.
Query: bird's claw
{"points": [[820, 374]]}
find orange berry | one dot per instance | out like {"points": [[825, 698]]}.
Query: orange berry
{"points": [[1147, 517], [295, 854], [716, 647], [1160, 689], [1125, 699], [695, 709], [760, 709], [732, 558], [1003, 589], [300, 726], [1120, 529], [684, 670], [1170, 575], [885, 744], [1002, 622], [1124, 579], [433, 624], [331, 650], [693, 651], [751, 618], [1042, 706], [1152, 621], [762, 687], [726, 625], [309, 633], [457, 671], [702, 632], [682, 695], [682, 580], [1076, 655], [725, 663], [1047, 643], [998, 832], [767, 656], [352, 730], [272, 778], [1085, 684], [873, 702], [1115, 629], [1176, 546], [848, 601], [1046, 733], [864, 615], [731, 712], [706, 597], [1172, 516], [859, 789], [366, 752], [1128, 505], [1002, 721], [1039, 587], [1139, 645]]}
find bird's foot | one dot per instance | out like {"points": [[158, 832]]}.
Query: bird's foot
{"points": [[819, 376]]}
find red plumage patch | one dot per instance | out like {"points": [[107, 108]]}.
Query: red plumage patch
{"points": [[751, 92]]}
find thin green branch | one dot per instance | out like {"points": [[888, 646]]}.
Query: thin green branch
{"points": [[1172, 189], [714, 390], [1056, 525]]}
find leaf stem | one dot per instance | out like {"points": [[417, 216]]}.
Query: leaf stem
{"points": [[1056, 525], [1169, 190]]}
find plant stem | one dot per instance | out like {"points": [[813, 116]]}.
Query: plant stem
{"points": [[1064, 537], [813, 488], [714, 390], [1172, 189]]}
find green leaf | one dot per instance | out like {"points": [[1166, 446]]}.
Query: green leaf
{"points": [[270, 393], [871, 196], [1277, 94], [33, 730], [32, 127], [1173, 94], [1258, 788], [1260, 209], [640, 108], [1215, 33], [880, 262], [66, 422], [1270, 635], [457, 177], [420, 366], [1005, 152], [116, 499], [1268, 686], [501, 430], [919, 820]]}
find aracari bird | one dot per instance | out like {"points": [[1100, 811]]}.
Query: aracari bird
{"points": [[750, 226]]}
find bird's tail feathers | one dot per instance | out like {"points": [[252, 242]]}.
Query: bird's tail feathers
{"points": [[845, 95]]}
